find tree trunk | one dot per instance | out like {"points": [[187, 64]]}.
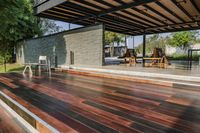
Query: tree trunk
{"points": [[4, 63], [125, 41], [112, 50]]}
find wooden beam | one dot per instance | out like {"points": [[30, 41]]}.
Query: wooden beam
{"points": [[47, 5]]}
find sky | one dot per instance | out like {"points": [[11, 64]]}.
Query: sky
{"points": [[131, 42]]}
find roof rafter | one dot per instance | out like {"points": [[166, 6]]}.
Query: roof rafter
{"points": [[120, 8], [182, 9], [125, 11], [120, 21], [168, 10], [195, 6], [141, 12]]}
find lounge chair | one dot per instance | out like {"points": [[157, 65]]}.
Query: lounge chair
{"points": [[130, 57]]}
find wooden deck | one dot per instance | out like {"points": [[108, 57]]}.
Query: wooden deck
{"points": [[86, 104], [8, 124]]}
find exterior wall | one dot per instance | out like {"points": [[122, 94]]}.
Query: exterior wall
{"points": [[172, 50], [86, 46], [50, 46], [86, 43]]}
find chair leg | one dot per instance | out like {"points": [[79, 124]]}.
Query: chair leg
{"points": [[39, 69], [25, 69], [49, 67], [30, 70]]}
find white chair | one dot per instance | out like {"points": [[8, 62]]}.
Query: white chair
{"points": [[44, 62]]}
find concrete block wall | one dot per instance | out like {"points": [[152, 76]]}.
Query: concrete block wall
{"points": [[50, 46], [86, 43], [86, 46]]}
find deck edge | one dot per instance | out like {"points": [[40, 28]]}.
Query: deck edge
{"points": [[48, 127]]}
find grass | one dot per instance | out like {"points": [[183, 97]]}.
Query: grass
{"points": [[11, 68], [195, 57]]}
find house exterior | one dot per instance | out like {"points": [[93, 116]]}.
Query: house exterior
{"points": [[169, 50]]}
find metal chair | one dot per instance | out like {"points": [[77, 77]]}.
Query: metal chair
{"points": [[43, 61]]}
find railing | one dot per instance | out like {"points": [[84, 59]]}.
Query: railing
{"points": [[39, 2]]}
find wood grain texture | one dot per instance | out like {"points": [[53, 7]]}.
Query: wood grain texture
{"points": [[86, 104], [9, 124]]}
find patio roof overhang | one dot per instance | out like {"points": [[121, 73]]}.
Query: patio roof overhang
{"points": [[132, 17]]}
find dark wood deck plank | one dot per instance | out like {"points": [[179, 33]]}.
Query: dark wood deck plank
{"points": [[77, 103]]}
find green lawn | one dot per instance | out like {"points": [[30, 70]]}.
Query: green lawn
{"points": [[11, 68]]}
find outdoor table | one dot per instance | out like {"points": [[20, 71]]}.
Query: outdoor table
{"points": [[28, 65], [153, 59]]}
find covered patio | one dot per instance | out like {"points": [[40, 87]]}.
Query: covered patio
{"points": [[106, 98], [142, 17]]}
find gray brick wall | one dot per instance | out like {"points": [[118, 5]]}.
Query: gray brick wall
{"points": [[86, 43], [50, 46], [87, 47]]}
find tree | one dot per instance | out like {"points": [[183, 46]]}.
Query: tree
{"points": [[111, 38], [49, 26], [17, 22], [154, 41], [183, 39]]}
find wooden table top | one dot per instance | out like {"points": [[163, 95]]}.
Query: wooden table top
{"points": [[152, 58]]}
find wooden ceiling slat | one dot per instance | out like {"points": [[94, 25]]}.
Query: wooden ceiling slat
{"points": [[158, 13], [68, 10], [148, 15], [131, 24], [182, 9], [128, 16], [195, 6], [143, 13], [60, 18], [129, 13], [170, 11], [64, 13]]}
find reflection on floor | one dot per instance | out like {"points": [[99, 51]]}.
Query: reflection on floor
{"points": [[176, 67], [86, 104]]}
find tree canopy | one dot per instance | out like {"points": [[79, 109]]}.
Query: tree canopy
{"points": [[112, 37], [17, 22], [152, 42], [183, 39]]}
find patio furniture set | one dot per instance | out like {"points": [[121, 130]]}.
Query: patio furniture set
{"points": [[43, 62], [158, 59]]}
